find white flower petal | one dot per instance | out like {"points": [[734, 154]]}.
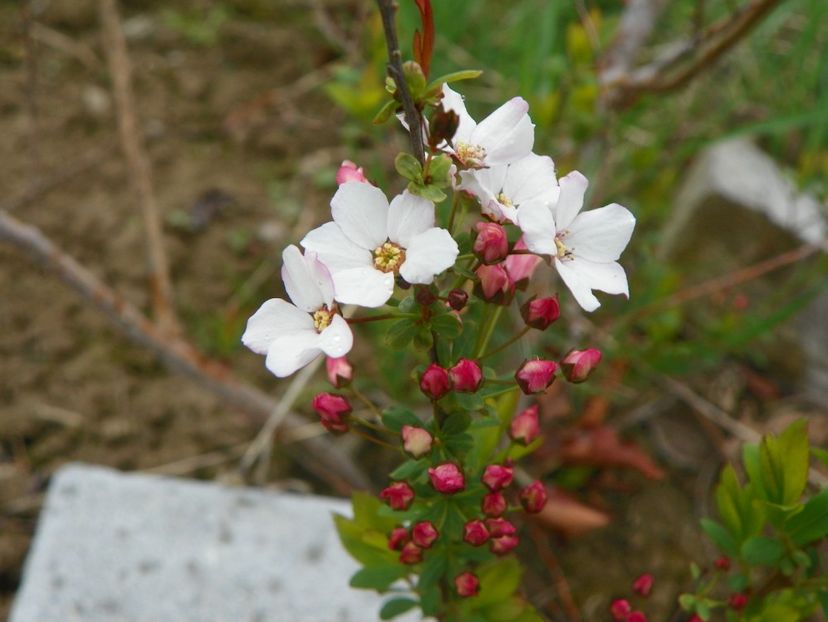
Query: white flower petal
{"points": [[292, 352], [334, 249], [452, 100], [364, 286], [507, 134], [531, 178], [300, 283], [361, 211], [408, 216], [479, 183], [337, 339], [538, 226], [274, 318], [429, 254], [582, 276], [571, 199], [601, 234], [322, 276]]}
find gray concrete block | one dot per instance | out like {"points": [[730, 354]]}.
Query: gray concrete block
{"points": [[114, 547]]}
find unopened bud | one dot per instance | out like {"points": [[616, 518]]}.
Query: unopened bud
{"points": [[424, 533], [637, 616], [398, 496], [494, 284], [500, 527], [577, 365], [435, 382], [497, 476], [442, 126], [416, 441], [491, 245], [424, 295], [466, 376], [723, 563], [457, 299], [398, 538], [467, 584], [447, 478], [540, 312], [503, 544], [333, 411], [348, 171], [493, 504], [535, 375], [533, 497], [643, 585], [620, 609], [737, 602], [475, 532], [521, 267], [525, 426], [411, 554], [340, 371]]}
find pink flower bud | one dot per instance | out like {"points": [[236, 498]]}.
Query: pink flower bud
{"points": [[503, 544], [535, 375], [491, 244], [411, 554], [540, 312], [723, 563], [333, 411], [620, 609], [497, 476], [525, 427], [467, 584], [493, 504], [643, 585], [636, 616], [457, 299], [398, 495], [435, 382], [340, 371], [533, 497], [424, 533], [416, 441], [466, 376], [494, 285], [738, 601], [475, 532], [577, 365], [500, 527], [348, 171], [398, 538], [695, 618], [447, 478], [521, 267]]}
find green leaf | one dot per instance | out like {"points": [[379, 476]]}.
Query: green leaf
{"points": [[409, 167], [386, 112], [455, 76], [439, 169], [499, 580], [811, 523], [820, 454], [720, 536], [360, 547], [410, 469], [395, 607], [395, 417], [379, 578], [447, 326], [430, 192], [783, 464], [456, 424], [741, 512], [401, 333], [433, 569], [762, 551]]}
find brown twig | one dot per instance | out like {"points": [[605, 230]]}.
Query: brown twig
{"points": [[138, 164], [544, 550], [388, 10], [319, 456]]}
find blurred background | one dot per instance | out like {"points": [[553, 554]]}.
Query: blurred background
{"points": [[244, 110]]}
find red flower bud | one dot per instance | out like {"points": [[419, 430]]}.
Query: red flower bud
{"points": [[540, 312], [397, 538], [416, 441], [475, 532], [494, 284], [723, 563], [424, 533], [340, 371], [738, 601], [411, 554], [348, 171], [457, 299], [620, 609], [398, 495], [577, 365], [533, 497], [466, 376], [695, 618], [525, 427], [435, 382], [503, 544], [491, 244], [521, 267], [497, 476], [500, 527], [493, 504], [636, 616], [424, 295], [333, 411], [535, 375], [447, 478], [643, 585], [467, 584]]}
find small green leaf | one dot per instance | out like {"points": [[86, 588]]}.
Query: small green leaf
{"points": [[456, 424], [431, 193], [720, 536], [439, 171], [433, 569], [410, 469], [378, 578], [499, 580], [396, 606], [687, 602], [409, 167], [762, 551], [447, 326], [386, 112], [811, 523], [455, 76], [401, 333], [783, 464]]}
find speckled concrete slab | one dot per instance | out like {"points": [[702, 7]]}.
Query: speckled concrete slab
{"points": [[114, 547]]}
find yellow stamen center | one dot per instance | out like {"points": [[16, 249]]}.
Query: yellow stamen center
{"points": [[322, 318], [504, 200], [563, 251], [470, 155], [388, 257]]}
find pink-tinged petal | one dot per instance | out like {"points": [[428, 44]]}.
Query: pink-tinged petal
{"points": [[582, 276], [361, 211], [300, 282], [483, 187], [538, 226], [429, 254], [601, 234], [363, 286], [334, 249], [452, 100], [290, 353], [531, 179], [507, 134], [322, 277], [337, 339], [274, 318], [571, 199], [409, 215]]}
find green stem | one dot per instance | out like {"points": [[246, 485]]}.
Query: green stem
{"points": [[489, 323], [505, 344], [455, 202]]}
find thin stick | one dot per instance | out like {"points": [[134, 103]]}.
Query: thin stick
{"points": [[319, 455], [138, 164], [505, 344], [388, 10]]}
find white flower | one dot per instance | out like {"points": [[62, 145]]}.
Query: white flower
{"points": [[369, 243], [292, 335], [585, 245], [504, 136], [502, 189]]}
